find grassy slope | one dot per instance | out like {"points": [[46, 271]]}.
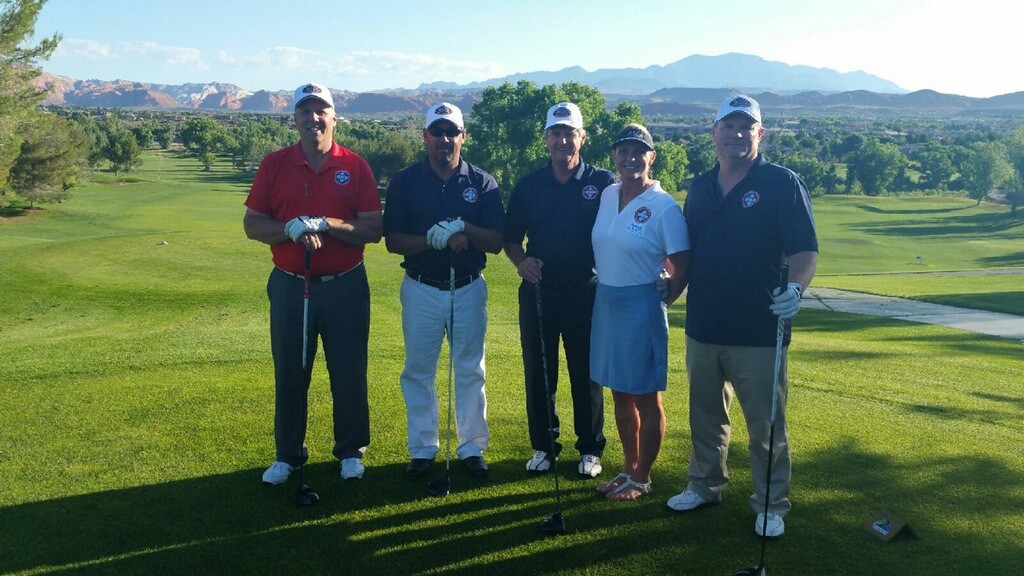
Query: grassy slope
{"points": [[862, 235], [137, 403]]}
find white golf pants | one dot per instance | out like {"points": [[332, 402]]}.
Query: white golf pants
{"points": [[425, 316]]}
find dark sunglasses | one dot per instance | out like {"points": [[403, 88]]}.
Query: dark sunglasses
{"points": [[437, 131]]}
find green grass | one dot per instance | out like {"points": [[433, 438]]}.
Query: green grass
{"points": [[136, 415]]}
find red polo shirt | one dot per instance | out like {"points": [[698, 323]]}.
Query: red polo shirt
{"points": [[286, 187]]}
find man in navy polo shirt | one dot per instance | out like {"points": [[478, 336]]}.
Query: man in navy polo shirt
{"points": [[441, 213], [555, 208], [746, 217]]}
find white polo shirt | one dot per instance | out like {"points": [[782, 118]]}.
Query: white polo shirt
{"points": [[630, 247]]}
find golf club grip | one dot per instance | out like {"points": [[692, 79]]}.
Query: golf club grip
{"points": [[783, 277], [309, 260]]}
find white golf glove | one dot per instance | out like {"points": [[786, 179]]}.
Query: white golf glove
{"points": [[661, 284], [440, 233], [296, 227], [787, 302]]}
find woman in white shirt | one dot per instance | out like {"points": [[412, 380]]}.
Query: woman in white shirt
{"points": [[639, 230]]}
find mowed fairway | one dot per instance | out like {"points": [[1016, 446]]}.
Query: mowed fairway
{"points": [[136, 403]]}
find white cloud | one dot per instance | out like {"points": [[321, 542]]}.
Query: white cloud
{"points": [[175, 55], [368, 69], [82, 48]]}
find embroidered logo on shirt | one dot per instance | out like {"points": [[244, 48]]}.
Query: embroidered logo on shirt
{"points": [[342, 177], [750, 198], [470, 195], [589, 192], [642, 215]]}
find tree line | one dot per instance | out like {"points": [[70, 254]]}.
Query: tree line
{"points": [[47, 152]]}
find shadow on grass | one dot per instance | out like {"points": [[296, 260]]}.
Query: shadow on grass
{"points": [[12, 211], [965, 226], [877, 210], [1015, 259], [229, 524], [955, 343]]}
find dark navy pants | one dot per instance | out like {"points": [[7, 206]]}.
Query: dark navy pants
{"points": [[567, 316], [339, 313]]}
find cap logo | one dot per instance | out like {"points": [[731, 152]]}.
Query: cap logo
{"points": [[561, 112], [442, 110], [740, 102], [311, 89], [634, 133]]}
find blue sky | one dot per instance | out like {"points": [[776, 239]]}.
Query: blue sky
{"points": [[966, 48]]}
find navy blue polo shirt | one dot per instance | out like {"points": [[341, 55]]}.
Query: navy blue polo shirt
{"points": [[558, 218], [736, 249], [417, 199]]}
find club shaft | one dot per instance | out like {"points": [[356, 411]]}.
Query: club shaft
{"points": [[547, 394]]}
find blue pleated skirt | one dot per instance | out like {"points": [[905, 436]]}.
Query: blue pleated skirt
{"points": [[629, 339]]}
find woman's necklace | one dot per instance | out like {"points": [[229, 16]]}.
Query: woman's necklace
{"points": [[624, 201]]}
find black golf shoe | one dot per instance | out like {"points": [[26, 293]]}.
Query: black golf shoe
{"points": [[476, 465], [418, 468]]}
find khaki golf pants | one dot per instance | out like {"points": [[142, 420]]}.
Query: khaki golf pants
{"points": [[716, 374]]}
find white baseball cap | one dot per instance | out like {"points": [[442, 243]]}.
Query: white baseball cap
{"points": [[740, 103], [566, 114], [318, 91], [444, 111]]}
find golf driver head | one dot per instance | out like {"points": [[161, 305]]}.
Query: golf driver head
{"points": [[755, 571], [553, 524], [305, 496], [440, 486]]}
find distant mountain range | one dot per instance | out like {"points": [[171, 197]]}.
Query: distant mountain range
{"points": [[742, 72], [693, 85]]}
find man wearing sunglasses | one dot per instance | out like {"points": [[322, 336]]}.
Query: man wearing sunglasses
{"points": [[555, 207], [444, 214]]}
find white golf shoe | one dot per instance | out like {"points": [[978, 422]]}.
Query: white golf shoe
{"points": [[590, 466], [686, 500], [776, 527], [352, 469], [539, 462], [278, 473]]}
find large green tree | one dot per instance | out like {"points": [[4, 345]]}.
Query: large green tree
{"points": [[18, 67], [985, 169], [507, 124], [936, 165], [875, 165], [203, 138], [52, 156], [120, 146]]}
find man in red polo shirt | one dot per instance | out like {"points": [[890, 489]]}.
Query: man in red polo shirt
{"points": [[321, 198]]}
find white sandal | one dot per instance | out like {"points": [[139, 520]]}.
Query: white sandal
{"points": [[609, 486], [642, 488]]}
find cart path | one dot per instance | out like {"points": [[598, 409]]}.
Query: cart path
{"points": [[980, 321]]}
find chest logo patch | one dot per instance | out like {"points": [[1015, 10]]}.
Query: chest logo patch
{"points": [[342, 177], [589, 192], [470, 195], [642, 215], [750, 198]]}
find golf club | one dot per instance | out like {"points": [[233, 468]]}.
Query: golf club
{"points": [[554, 524], [304, 495], [442, 486], [780, 334]]}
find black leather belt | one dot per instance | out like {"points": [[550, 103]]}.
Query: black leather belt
{"points": [[443, 284], [325, 278]]}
